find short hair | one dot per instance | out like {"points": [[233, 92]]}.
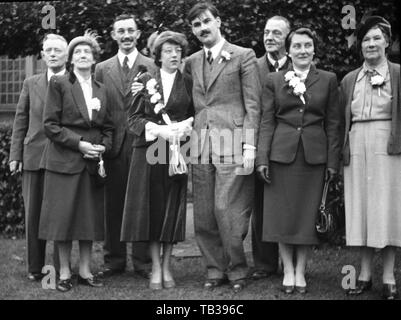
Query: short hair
{"points": [[303, 31], [201, 7], [286, 21], [53, 36], [124, 16], [171, 37]]}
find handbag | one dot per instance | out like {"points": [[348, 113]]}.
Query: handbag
{"points": [[330, 221], [177, 165]]}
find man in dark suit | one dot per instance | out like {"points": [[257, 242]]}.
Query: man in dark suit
{"points": [[265, 254], [226, 95], [27, 144], [118, 73]]}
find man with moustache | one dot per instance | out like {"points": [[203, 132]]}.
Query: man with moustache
{"points": [[265, 254], [118, 73], [226, 95], [28, 141]]}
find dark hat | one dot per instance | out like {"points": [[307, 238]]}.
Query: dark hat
{"points": [[89, 38], [370, 22], [171, 36]]}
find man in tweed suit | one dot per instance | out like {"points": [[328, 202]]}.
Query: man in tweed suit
{"points": [[118, 73]]}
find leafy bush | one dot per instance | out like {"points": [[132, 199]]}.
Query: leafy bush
{"points": [[11, 204]]}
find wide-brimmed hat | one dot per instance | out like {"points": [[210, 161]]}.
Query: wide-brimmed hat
{"points": [[89, 38], [370, 22]]}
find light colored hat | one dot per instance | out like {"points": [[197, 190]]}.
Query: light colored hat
{"points": [[89, 38]]}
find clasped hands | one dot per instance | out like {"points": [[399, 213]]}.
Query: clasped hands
{"points": [[173, 131], [90, 151]]}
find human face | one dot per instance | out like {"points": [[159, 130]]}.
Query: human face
{"points": [[206, 28], [374, 46], [82, 57], [301, 51], [170, 57], [54, 54], [126, 34], [274, 37]]}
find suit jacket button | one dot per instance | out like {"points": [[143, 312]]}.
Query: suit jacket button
{"points": [[301, 110], [299, 128]]}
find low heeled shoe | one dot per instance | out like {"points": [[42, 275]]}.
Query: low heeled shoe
{"points": [[90, 281], [389, 291], [360, 287], [213, 283], [301, 289], [287, 289], [64, 285]]}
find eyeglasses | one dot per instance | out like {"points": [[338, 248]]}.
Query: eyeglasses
{"points": [[170, 50]]}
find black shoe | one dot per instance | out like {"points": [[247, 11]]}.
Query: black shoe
{"points": [[260, 274], [238, 285], [213, 283], [143, 273], [389, 291], [287, 289], [301, 289], [64, 285], [35, 276], [107, 272], [361, 287], [91, 281]]}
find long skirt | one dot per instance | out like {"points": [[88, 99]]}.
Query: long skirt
{"points": [[292, 200], [72, 208], [372, 188], [155, 203]]}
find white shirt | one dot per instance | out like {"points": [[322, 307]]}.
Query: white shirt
{"points": [[301, 74], [131, 57], [86, 86], [50, 74], [281, 61], [167, 83], [215, 49]]}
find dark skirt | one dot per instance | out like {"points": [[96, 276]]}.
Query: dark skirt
{"points": [[72, 208], [155, 203], [292, 200]]}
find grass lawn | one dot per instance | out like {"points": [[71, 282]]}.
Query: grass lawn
{"points": [[324, 279]]}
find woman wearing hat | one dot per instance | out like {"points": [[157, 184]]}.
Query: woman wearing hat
{"points": [[371, 154], [76, 121], [155, 203]]}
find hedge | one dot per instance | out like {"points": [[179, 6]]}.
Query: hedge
{"points": [[12, 222]]}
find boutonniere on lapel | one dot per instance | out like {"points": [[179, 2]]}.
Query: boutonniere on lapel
{"points": [[225, 56], [377, 81], [155, 98], [95, 104], [298, 87]]}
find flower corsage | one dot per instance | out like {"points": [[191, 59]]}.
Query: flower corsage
{"points": [[377, 81], [155, 98], [298, 87], [225, 56]]}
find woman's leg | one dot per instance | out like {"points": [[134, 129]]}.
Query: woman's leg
{"points": [[167, 251], [388, 265], [157, 276], [85, 253], [302, 257], [64, 251], [367, 254], [286, 252]]}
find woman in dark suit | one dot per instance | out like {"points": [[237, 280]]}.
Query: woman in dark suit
{"points": [[372, 148], [155, 203], [78, 126], [299, 143]]}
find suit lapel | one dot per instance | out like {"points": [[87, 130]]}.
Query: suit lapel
{"points": [[79, 99], [114, 72], [41, 86], [217, 68], [96, 93], [313, 77], [197, 65], [394, 86]]}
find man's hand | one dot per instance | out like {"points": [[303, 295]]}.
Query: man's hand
{"points": [[330, 174], [15, 166], [136, 87], [249, 159], [262, 172]]}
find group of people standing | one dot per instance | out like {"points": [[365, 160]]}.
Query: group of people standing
{"points": [[287, 119]]}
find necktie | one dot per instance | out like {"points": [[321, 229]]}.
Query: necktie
{"points": [[125, 66], [209, 57], [276, 65]]}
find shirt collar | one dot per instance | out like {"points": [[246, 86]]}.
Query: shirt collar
{"points": [[281, 61], [82, 80], [301, 74], [131, 57], [215, 49], [381, 69], [50, 73], [166, 75]]}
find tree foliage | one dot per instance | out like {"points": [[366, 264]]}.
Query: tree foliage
{"points": [[242, 23]]}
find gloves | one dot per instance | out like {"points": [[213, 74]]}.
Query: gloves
{"points": [[262, 172]]}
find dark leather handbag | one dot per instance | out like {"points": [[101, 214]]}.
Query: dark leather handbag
{"points": [[330, 221]]}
